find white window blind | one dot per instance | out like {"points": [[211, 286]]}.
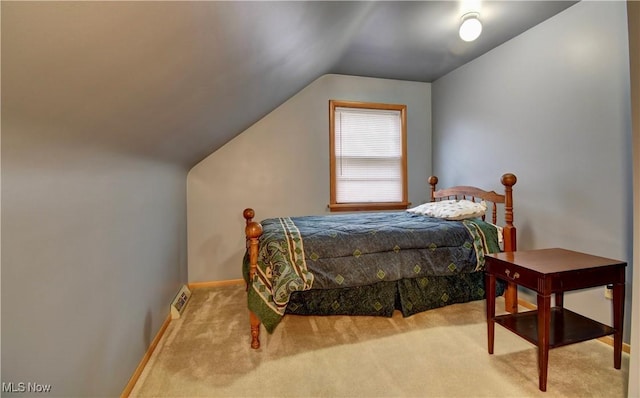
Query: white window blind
{"points": [[368, 155]]}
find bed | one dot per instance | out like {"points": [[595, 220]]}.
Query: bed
{"points": [[374, 263]]}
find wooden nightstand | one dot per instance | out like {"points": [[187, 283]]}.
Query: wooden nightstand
{"points": [[555, 271]]}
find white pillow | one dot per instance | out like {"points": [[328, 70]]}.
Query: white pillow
{"points": [[429, 206], [451, 209]]}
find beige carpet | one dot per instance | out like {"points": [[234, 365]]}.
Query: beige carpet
{"points": [[439, 353]]}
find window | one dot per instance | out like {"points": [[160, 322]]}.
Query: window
{"points": [[368, 160]]}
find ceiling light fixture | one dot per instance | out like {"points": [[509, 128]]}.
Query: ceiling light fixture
{"points": [[471, 27]]}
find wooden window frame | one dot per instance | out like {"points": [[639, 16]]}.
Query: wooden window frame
{"points": [[366, 206]]}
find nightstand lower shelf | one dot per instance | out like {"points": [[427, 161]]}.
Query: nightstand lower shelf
{"points": [[567, 327]]}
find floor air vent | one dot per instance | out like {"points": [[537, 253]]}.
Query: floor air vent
{"points": [[180, 302]]}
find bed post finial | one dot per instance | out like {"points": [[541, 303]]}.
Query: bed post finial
{"points": [[248, 214], [433, 180], [508, 179]]}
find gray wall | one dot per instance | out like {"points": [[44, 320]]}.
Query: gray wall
{"points": [[280, 166], [551, 106], [93, 207], [93, 251]]}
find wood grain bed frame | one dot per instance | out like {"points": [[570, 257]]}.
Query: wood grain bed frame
{"points": [[253, 231]]}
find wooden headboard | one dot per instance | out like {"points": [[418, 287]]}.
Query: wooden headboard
{"points": [[494, 198]]}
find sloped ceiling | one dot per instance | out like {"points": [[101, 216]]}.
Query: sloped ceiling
{"points": [[177, 80]]}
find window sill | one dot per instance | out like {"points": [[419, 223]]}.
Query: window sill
{"points": [[368, 206]]}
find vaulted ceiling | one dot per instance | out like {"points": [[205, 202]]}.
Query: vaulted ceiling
{"points": [[177, 80]]}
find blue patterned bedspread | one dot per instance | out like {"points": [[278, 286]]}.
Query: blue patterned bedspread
{"points": [[348, 250]]}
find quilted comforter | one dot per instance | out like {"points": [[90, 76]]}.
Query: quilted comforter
{"points": [[351, 250]]}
